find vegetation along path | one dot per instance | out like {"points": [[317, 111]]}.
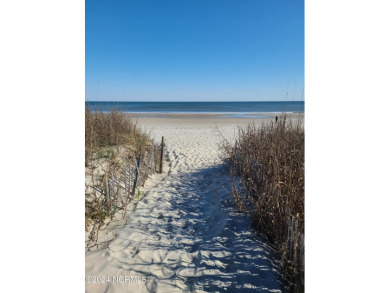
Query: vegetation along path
{"points": [[186, 234]]}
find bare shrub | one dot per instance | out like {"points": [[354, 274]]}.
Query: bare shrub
{"points": [[118, 158], [105, 130], [268, 160]]}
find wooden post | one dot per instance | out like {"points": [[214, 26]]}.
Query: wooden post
{"points": [[162, 154], [112, 194], [302, 257], [142, 169], [148, 167], [125, 181], [152, 166], [129, 193], [136, 174], [108, 195], [291, 240], [155, 157]]}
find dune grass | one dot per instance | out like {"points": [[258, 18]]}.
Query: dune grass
{"points": [[111, 140], [267, 164], [103, 131]]}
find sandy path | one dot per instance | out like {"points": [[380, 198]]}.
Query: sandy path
{"points": [[186, 235]]}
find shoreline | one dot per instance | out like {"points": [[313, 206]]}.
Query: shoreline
{"points": [[185, 233], [205, 112], [177, 119]]}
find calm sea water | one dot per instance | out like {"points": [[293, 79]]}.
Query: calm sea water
{"points": [[235, 108], [199, 107]]}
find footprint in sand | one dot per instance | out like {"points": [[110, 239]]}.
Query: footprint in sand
{"points": [[188, 235]]}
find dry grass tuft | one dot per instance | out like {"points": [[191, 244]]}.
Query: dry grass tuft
{"points": [[112, 140], [269, 163], [106, 130]]}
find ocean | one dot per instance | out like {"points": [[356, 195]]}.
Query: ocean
{"points": [[232, 108]]}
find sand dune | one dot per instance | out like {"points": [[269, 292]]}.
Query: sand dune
{"points": [[185, 235]]}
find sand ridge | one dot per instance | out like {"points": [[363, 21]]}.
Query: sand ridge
{"points": [[186, 234]]}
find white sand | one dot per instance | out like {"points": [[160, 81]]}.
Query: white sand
{"points": [[185, 235]]}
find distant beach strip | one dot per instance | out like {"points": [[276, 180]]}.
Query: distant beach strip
{"points": [[229, 109]]}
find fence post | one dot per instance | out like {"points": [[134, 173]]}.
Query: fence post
{"points": [[162, 154], [155, 157], [136, 174], [153, 165], [109, 191], [130, 181], [125, 181], [302, 257]]}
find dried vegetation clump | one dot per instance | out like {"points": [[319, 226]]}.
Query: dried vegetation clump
{"points": [[119, 157], [267, 164], [106, 131]]}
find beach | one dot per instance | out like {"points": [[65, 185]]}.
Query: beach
{"points": [[230, 120], [185, 234]]}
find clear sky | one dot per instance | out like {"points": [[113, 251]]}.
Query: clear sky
{"points": [[194, 50]]}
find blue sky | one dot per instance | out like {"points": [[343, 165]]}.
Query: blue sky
{"points": [[186, 50]]}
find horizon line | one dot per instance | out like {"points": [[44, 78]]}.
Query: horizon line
{"points": [[194, 101]]}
